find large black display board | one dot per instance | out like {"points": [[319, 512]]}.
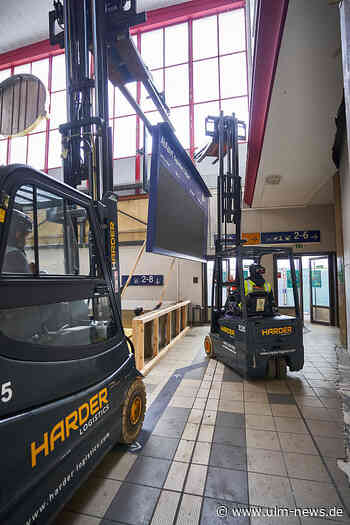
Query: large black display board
{"points": [[178, 200]]}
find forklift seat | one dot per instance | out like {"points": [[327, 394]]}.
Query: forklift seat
{"points": [[258, 303]]}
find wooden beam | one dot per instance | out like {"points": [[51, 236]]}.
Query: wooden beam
{"points": [[155, 337], [139, 343], [168, 328]]}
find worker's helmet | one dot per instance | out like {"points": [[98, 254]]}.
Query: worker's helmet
{"points": [[20, 223], [256, 270]]}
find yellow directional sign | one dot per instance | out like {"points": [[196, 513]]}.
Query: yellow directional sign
{"points": [[252, 238]]}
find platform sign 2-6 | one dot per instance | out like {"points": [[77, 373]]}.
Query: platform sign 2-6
{"points": [[144, 280], [299, 236]]}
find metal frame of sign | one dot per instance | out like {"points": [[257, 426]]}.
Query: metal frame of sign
{"points": [[168, 151]]}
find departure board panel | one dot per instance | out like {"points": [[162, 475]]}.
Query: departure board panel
{"points": [[178, 200]]}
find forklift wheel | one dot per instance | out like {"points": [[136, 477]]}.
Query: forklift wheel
{"points": [[281, 368], [208, 346], [271, 369], [133, 411]]}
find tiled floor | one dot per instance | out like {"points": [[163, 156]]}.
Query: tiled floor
{"points": [[223, 442]]}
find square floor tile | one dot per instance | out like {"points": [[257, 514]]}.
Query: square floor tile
{"points": [[212, 404], [258, 408], [190, 432], [196, 478], [326, 428], [331, 447], [209, 417], [289, 424], [149, 471], [182, 401], [313, 494], [160, 447], [134, 504], [169, 427], [176, 412], [184, 450], [176, 476], [266, 439], [231, 485], [190, 509], [305, 466], [255, 396], [234, 395], [206, 433], [166, 508], [322, 414], [199, 403], [269, 491], [260, 422], [266, 462], [230, 419], [228, 457], [201, 453], [211, 509], [308, 401], [115, 465], [231, 406], [195, 416], [281, 399], [285, 411], [230, 436], [297, 443], [94, 496]]}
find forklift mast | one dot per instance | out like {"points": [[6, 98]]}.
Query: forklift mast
{"points": [[225, 132], [96, 38]]}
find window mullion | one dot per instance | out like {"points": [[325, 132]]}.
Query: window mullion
{"points": [[190, 79], [47, 141], [36, 233]]}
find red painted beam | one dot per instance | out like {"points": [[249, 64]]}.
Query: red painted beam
{"points": [[28, 53], [271, 16], [182, 12], [156, 18]]}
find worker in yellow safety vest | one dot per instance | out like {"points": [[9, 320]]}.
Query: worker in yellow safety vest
{"points": [[256, 283]]}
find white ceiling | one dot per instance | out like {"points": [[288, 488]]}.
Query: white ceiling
{"points": [[306, 95], [25, 22]]}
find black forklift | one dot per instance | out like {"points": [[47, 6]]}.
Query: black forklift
{"points": [[69, 387], [247, 332]]}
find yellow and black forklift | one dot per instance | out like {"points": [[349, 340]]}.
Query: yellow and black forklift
{"points": [[69, 387], [247, 332]]}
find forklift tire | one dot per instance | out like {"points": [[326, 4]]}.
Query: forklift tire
{"points": [[208, 346], [271, 369], [133, 411], [281, 368]]}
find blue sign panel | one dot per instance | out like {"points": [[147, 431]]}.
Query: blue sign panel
{"points": [[144, 280], [301, 236], [178, 200]]}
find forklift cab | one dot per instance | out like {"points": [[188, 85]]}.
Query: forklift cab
{"points": [[247, 332], [68, 380]]}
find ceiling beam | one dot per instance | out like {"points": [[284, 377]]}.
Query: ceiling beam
{"points": [[270, 21]]}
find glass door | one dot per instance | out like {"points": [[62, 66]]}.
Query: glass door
{"points": [[284, 288], [320, 310]]}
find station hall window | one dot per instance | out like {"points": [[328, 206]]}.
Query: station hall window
{"points": [[199, 64]]}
